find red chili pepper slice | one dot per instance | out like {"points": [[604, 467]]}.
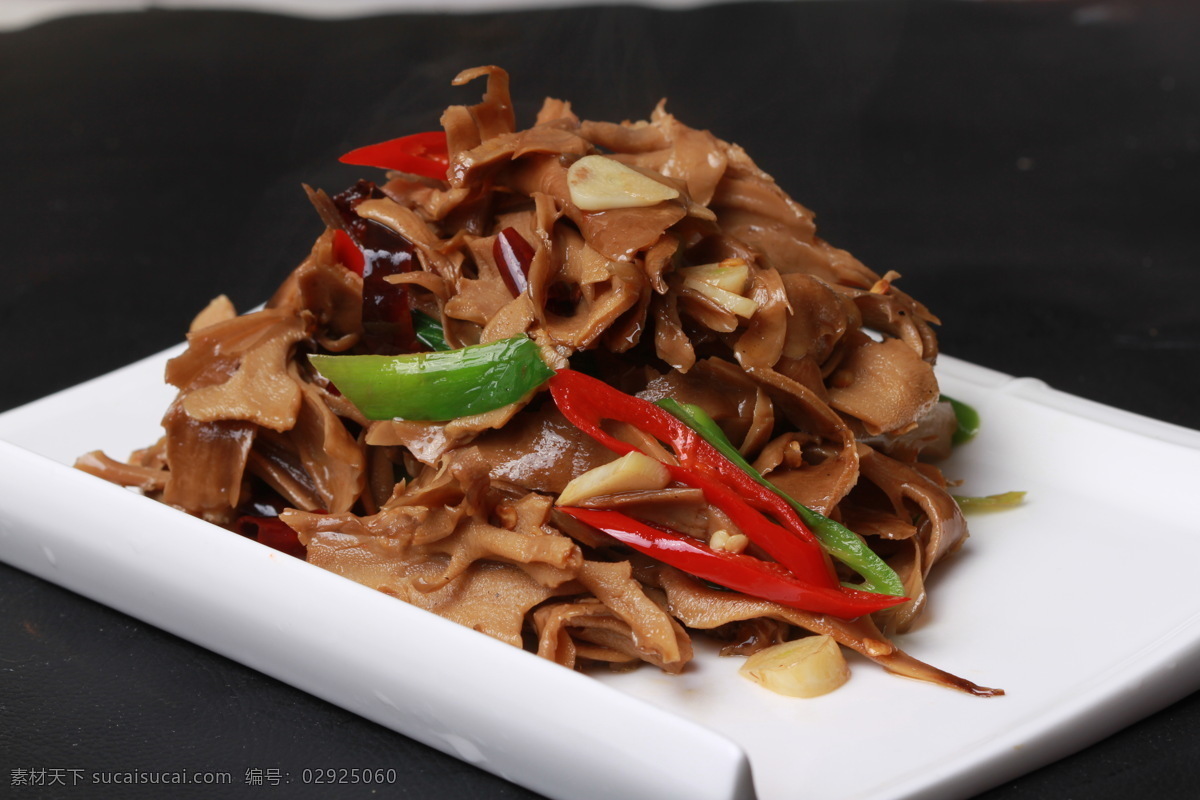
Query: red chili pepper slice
{"points": [[272, 532], [426, 154], [387, 318], [513, 255], [347, 252], [586, 401], [745, 574]]}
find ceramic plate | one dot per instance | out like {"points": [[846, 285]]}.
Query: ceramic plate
{"points": [[1067, 602]]}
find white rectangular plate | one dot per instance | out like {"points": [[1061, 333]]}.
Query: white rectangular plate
{"points": [[1066, 602]]}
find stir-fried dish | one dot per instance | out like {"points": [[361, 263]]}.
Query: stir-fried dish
{"points": [[594, 389]]}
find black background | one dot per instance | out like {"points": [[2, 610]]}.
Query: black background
{"points": [[1032, 169]]}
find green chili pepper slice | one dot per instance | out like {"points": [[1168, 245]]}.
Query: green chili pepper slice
{"points": [[968, 420], [428, 331], [838, 540], [991, 502], [437, 386]]}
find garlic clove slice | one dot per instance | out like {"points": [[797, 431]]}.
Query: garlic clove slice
{"points": [[807, 667], [599, 183], [731, 274], [733, 303], [631, 472]]}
